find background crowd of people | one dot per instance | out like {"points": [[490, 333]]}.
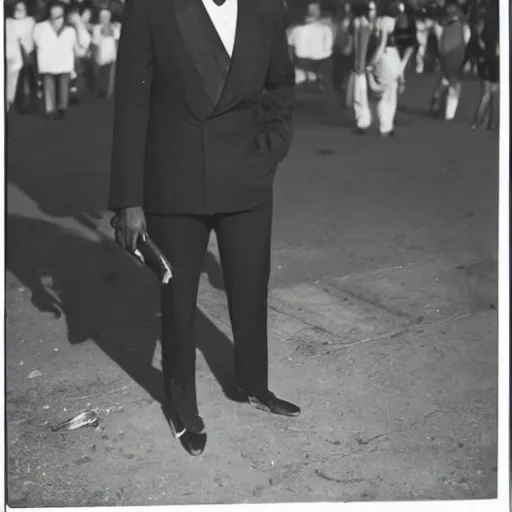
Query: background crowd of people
{"points": [[363, 49], [59, 51]]}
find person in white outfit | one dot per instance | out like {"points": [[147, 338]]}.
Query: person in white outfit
{"points": [[23, 25], [57, 45], [312, 45], [13, 61], [383, 76], [105, 37], [385, 70]]}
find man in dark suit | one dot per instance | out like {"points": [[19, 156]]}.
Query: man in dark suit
{"points": [[203, 116]]}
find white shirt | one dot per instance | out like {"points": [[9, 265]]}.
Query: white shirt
{"points": [[24, 29], [56, 52], [224, 18], [312, 41], [106, 46], [13, 55]]}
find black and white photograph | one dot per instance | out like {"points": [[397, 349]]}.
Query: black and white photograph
{"points": [[256, 253]]}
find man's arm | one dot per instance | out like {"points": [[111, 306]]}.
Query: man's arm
{"points": [[279, 97], [132, 101], [83, 38]]}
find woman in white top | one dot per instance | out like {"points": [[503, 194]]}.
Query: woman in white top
{"points": [[57, 44], [385, 71], [23, 25], [105, 37], [13, 61]]}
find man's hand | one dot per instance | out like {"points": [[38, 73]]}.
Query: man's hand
{"points": [[129, 224]]}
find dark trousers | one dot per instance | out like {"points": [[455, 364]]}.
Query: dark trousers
{"points": [[244, 241], [56, 91], [104, 78], [341, 67], [80, 84], [27, 87]]}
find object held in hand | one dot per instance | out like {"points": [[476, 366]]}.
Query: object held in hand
{"points": [[149, 254]]}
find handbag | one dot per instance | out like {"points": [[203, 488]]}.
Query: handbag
{"points": [[376, 88]]}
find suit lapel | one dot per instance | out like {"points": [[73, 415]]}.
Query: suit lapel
{"points": [[203, 46], [245, 54], [223, 79]]}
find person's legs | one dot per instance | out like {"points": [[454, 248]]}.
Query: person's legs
{"points": [[386, 108], [483, 105], [245, 247], [64, 81], [49, 91], [337, 71], [439, 96], [494, 109], [80, 80], [387, 104], [323, 70], [345, 71], [12, 78], [111, 79], [452, 100], [96, 71], [184, 240], [24, 89], [362, 110]]}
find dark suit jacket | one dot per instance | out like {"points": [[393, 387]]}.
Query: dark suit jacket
{"points": [[196, 132]]}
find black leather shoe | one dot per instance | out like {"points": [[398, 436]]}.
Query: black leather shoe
{"points": [[191, 422], [193, 442], [388, 135], [274, 405], [359, 131]]}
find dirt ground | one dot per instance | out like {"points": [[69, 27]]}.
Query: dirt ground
{"points": [[383, 324]]}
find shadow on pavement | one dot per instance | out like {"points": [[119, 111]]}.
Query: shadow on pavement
{"points": [[105, 297]]}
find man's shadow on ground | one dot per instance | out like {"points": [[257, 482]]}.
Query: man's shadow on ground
{"points": [[106, 297]]}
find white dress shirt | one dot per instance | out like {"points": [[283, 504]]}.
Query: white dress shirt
{"points": [[224, 18]]}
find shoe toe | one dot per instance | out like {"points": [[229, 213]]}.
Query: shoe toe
{"points": [[194, 444]]}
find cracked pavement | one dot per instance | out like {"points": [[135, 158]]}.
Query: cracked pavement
{"points": [[382, 321]]}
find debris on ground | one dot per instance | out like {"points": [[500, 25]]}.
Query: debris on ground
{"points": [[83, 419]]}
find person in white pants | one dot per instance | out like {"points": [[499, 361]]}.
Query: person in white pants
{"points": [[383, 74], [365, 39]]}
